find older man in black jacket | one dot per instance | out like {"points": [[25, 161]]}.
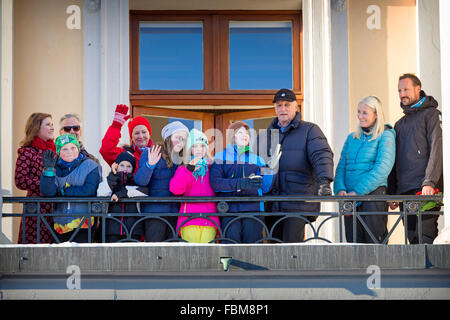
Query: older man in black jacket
{"points": [[305, 166], [418, 163]]}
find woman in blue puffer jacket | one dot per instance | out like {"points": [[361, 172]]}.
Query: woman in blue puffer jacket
{"points": [[366, 160]]}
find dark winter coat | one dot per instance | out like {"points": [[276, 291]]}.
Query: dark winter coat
{"points": [[157, 179], [84, 175], [306, 158], [228, 167], [128, 190], [419, 148]]}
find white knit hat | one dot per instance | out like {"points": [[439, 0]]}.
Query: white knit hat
{"points": [[173, 127]]}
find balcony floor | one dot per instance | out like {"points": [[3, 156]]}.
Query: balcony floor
{"points": [[192, 271]]}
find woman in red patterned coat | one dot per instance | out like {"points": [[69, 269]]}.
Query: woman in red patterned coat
{"points": [[38, 138]]}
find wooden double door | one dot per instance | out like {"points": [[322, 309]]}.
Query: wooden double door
{"points": [[212, 122]]}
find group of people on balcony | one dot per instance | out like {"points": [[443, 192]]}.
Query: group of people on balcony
{"points": [[376, 159]]}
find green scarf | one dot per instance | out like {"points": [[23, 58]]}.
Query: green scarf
{"points": [[242, 150]]}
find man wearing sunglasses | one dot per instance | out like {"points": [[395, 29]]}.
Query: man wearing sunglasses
{"points": [[70, 123]]}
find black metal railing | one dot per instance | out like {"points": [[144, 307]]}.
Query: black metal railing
{"points": [[97, 207]]}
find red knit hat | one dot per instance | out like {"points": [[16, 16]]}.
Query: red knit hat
{"points": [[139, 121]]}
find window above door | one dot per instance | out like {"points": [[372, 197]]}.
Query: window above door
{"points": [[214, 57], [171, 55]]}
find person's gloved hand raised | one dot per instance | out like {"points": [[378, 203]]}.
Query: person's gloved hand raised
{"points": [[251, 183], [49, 159], [120, 116]]}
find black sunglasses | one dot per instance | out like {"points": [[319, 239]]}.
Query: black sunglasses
{"points": [[68, 128]]}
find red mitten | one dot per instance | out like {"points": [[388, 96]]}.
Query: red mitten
{"points": [[120, 116]]}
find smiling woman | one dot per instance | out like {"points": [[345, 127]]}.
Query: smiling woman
{"points": [[140, 132], [366, 160], [38, 138]]}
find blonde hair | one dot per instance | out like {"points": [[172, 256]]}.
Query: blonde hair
{"points": [[373, 103]]}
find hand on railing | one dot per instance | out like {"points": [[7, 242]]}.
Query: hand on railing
{"points": [[324, 187], [428, 191]]}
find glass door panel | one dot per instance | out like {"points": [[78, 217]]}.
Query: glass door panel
{"points": [[261, 55], [213, 125], [256, 119], [159, 117]]}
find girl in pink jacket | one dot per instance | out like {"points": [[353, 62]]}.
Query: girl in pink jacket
{"points": [[192, 180]]}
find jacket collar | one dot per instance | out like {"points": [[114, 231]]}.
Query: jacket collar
{"points": [[230, 153], [294, 124], [71, 165], [429, 102], [232, 150]]}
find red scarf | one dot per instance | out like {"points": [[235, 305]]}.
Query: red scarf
{"points": [[39, 143]]}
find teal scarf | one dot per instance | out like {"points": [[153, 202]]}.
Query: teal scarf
{"points": [[418, 103], [201, 168]]}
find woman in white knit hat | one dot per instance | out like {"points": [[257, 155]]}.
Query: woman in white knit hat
{"points": [[192, 180], [157, 166]]}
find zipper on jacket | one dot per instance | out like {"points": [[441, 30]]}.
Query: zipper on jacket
{"points": [[359, 149]]}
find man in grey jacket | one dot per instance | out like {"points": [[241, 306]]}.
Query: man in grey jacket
{"points": [[418, 166]]}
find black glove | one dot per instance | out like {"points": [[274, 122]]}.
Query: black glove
{"points": [[249, 184], [324, 187], [122, 193], [49, 162], [113, 180], [49, 159]]}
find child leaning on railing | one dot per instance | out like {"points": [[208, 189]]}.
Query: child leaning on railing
{"points": [[120, 184], [70, 175]]}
